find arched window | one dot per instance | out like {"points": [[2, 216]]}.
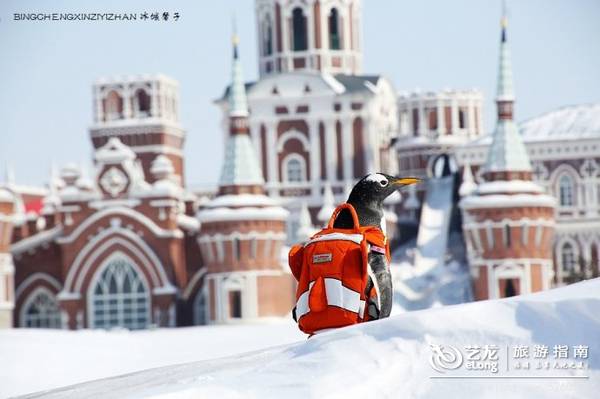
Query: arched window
{"points": [[200, 308], [567, 257], [41, 310], [267, 34], [294, 170], [113, 106], [142, 103], [119, 297], [334, 30], [299, 30], [565, 188]]}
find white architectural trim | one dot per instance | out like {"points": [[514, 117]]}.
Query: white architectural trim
{"points": [[190, 286], [293, 134], [34, 277], [74, 279], [35, 240], [93, 219]]}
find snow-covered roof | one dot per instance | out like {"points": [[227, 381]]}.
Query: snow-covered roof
{"points": [[509, 187], [236, 214], [114, 151], [36, 240], [507, 201], [507, 152], [6, 195], [240, 200], [572, 122], [241, 164]]}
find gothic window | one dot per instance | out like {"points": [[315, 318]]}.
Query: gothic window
{"points": [[334, 30], [41, 310], [267, 33], [294, 170], [200, 308], [300, 38], [567, 257], [565, 188], [113, 106], [119, 297], [142, 103]]}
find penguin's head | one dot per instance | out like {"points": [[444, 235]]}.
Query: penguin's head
{"points": [[376, 187]]}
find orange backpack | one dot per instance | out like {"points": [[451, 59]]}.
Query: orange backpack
{"points": [[332, 274]]}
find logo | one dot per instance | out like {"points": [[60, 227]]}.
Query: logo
{"points": [[322, 258], [445, 357]]}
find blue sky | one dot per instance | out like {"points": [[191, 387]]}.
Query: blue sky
{"points": [[47, 68]]}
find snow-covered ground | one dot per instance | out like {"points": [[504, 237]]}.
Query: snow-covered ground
{"points": [[391, 358], [33, 359]]}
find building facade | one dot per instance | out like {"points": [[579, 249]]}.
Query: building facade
{"points": [[315, 120]]}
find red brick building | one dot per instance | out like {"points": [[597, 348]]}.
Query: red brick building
{"points": [[126, 248]]}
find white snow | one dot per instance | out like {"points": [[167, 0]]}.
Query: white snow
{"points": [[509, 186], [390, 358], [237, 214], [241, 200], [36, 359], [572, 123], [507, 201]]}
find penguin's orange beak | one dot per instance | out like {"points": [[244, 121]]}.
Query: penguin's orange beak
{"points": [[405, 181]]}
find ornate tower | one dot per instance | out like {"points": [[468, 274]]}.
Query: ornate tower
{"points": [[142, 111], [242, 230], [322, 35], [7, 300], [508, 221]]}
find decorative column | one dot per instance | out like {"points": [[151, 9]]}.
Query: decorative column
{"points": [[441, 121], [315, 158]]}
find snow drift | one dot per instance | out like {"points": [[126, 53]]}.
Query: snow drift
{"points": [[392, 358]]}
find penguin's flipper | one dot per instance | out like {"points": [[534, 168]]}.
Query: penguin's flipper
{"points": [[381, 279]]}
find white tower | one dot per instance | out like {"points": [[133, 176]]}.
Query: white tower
{"points": [[321, 35]]}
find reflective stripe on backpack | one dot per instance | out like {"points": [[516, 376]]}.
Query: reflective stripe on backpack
{"points": [[337, 295]]}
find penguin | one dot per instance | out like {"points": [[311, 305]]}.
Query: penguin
{"points": [[367, 198]]}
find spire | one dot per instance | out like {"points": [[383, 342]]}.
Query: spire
{"points": [[305, 227], [328, 205], [467, 186], [505, 82], [507, 157], [241, 171], [9, 174], [238, 105]]}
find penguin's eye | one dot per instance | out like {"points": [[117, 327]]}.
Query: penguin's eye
{"points": [[383, 183]]}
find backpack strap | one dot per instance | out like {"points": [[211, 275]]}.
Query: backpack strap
{"points": [[377, 240], [339, 209]]}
